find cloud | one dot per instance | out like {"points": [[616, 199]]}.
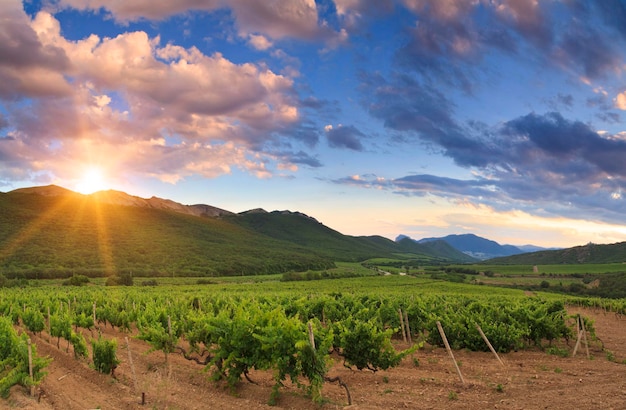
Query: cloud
{"points": [[344, 137], [163, 111], [583, 47], [541, 164], [420, 111], [28, 68], [620, 101], [259, 42], [300, 157], [276, 19], [528, 19]]}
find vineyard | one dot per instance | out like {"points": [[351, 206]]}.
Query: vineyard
{"points": [[290, 331]]}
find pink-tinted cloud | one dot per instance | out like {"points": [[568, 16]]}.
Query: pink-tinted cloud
{"points": [[27, 67], [134, 106], [274, 19]]}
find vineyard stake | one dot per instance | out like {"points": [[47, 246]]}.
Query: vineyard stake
{"points": [[49, 326], [488, 343], [326, 378], [132, 366], [408, 328], [30, 368], [582, 325], [445, 342], [167, 361], [311, 336], [580, 334], [402, 325]]}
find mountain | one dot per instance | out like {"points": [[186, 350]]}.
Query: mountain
{"points": [[438, 248], [51, 231], [475, 246], [590, 253]]}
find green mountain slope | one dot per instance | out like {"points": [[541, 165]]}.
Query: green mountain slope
{"points": [[51, 236], [300, 229], [50, 232], [590, 253]]}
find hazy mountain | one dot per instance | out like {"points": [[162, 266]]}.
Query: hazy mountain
{"points": [[476, 246]]}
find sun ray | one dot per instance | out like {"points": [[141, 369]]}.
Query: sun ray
{"points": [[104, 240], [31, 229], [92, 180]]}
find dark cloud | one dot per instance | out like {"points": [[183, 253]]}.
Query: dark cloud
{"points": [[614, 13], [437, 51], [345, 137], [554, 137], [299, 157], [27, 67], [543, 164], [16, 36], [3, 122], [584, 47], [403, 104], [423, 184]]}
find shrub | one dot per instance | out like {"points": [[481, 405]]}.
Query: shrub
{"points": [[104, 355], [76, 280]]}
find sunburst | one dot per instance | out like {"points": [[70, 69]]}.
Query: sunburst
{"points": [[92, 180]]}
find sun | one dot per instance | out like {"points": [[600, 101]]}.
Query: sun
{"points": [[93, 180]]}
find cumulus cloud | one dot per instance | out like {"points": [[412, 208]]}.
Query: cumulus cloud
{"points": [[28, 68], [160, 110]]}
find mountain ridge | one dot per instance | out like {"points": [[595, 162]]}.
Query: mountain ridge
{"points": [[48, 232], [477, 246], [114, 197]]}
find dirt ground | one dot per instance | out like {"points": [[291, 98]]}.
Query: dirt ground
{"points": [[427, 380]]}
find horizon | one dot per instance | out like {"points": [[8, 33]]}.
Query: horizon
{"points": [[425, 118]]}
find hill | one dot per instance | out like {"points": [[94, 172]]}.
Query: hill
{"points": [[50, 232], [590, 253]]}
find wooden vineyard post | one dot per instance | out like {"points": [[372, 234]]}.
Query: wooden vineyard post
{"points": [[167, 361], [482, 334], [582, 325], [93, 311], [582, 335], [30, 368], [132, 366], [408, 328], [402, 325], [579, 336], [445, 342], [49, 326], [311, 336], [326, 378]]}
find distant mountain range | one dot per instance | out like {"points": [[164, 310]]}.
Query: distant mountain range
{"points": [[478, 247]]}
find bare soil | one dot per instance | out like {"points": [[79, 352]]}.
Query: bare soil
{"points": [[528, 380]]}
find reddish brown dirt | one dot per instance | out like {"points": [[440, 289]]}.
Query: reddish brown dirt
{"points": [[529, 380]]}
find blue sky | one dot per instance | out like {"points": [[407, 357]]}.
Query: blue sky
{"points": [[503, 118]]}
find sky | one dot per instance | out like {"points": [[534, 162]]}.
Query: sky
{"points": [[502, 118]]}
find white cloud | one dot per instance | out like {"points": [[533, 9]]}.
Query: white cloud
{"points": [[259, 42]]}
